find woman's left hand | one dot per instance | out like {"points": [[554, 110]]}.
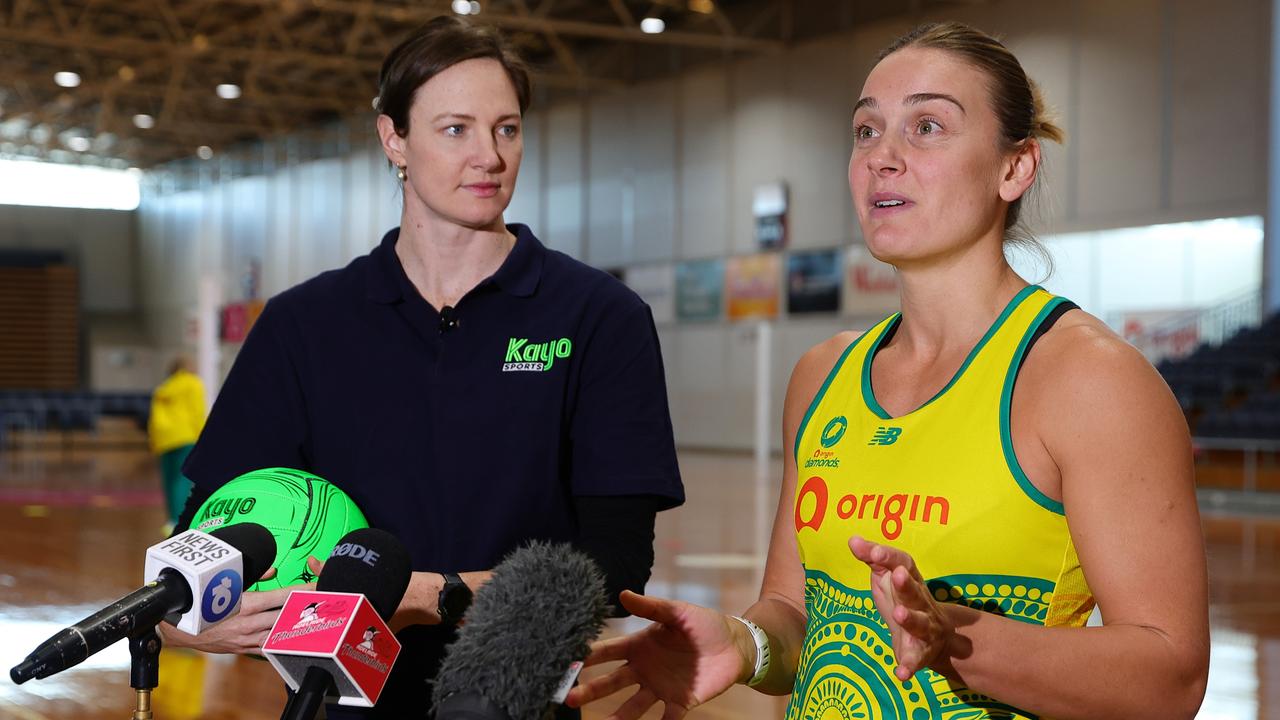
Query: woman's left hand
{"points": [[921, 631]]}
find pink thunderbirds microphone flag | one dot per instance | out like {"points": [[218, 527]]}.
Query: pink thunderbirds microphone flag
{"points": [[339, 632]]}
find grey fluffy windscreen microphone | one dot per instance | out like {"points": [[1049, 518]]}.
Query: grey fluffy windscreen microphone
{"points": [[536, 616]]}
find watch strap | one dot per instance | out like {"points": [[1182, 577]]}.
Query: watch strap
{"points": [[762, 650]]}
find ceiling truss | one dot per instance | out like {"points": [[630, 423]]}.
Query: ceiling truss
{"points": [[304, 63]]}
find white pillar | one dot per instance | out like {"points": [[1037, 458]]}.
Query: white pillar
{"points": [[764, 437], [208, 299]]}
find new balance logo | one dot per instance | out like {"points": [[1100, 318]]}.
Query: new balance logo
{"points": [[885, 436]]}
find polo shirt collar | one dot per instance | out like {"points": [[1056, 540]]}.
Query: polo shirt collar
{"points": [[520, 272], [518, 275]]}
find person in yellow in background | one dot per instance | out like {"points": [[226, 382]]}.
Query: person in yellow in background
{"points": [[177, 417]]}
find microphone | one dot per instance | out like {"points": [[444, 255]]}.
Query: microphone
{"points": [[198, 581], [334, 641], [448, 318], [525, 635]]}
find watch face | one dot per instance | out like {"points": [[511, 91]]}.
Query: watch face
{"points": [[455, 598]]}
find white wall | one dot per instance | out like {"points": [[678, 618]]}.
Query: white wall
{"points": [[1157, 268], [295, 223], [1164, 103], [101, 243]]}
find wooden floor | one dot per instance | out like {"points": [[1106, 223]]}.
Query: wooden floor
{"points": [[74, 524]]}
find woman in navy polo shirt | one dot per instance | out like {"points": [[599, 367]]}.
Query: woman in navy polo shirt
{"points": [[469, 388]]}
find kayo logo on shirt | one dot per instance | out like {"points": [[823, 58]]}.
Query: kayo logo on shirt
{"points": [[524, 356]]}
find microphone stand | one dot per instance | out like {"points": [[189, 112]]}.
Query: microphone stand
{"points": [[144, 670]]}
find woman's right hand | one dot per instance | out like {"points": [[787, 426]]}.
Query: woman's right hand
{"points": [[246, 631], [689, 655]]}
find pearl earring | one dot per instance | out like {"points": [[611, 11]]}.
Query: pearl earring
{"points": [[400, 173]]}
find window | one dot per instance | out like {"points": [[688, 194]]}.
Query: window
{"points": [[26, 182]]}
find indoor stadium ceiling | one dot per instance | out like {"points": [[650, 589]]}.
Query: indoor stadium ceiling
{"points": [[149, 71]]}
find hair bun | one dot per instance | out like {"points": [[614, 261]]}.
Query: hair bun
{"points": [[1042, 120]]}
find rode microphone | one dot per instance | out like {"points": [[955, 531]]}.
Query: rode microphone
{"points": [[526, 633], [198, 581], [333, 642]]}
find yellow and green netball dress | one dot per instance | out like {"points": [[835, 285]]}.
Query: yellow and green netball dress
{"points": [[941, 483]]}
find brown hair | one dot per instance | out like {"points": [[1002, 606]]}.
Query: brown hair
{"points": [[1015, 98], [180, 362], [433, 48]]}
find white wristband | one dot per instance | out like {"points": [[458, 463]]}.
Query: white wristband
{"points": [[762, 650]]}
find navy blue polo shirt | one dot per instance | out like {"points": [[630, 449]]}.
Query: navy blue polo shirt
{"points": [[464, 439]]}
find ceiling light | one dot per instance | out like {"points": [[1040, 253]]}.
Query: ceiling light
{"points": [[461, 7], [652, 25], [66, 79], [79, 144], [144, 121], [475, 7], [126, 73], [228, 91], [204, 152]]}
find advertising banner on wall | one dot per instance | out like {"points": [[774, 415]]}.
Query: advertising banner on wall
{"points": [[871, 287], [237, 319], [700, 290], [235, 323], [813, 282], [656, 285], [1162, 334], [753, 286]]}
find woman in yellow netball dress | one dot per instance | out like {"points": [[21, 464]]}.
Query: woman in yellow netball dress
{"points": [[970, 476], [938, 483]]}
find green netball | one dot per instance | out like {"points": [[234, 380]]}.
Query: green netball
{"points": [[306, 514]]}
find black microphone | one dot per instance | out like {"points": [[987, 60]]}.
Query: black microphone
{"points": [[448, 318], [210, 566], [369, 562], [526, 631]]}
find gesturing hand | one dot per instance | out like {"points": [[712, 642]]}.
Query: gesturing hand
{"points": [[919, 628], [685, 658]]}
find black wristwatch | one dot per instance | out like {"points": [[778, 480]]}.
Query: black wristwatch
{"points": [[455, 598]]}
